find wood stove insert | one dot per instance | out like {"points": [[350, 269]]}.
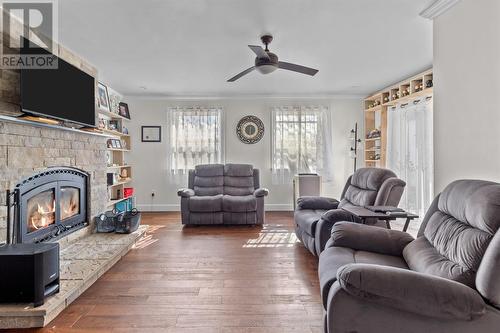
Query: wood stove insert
{"points": [[48, 205]]}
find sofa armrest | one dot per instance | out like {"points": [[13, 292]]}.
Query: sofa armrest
{"points": [[261, 192], [363, 237], [309, 202], [411, 291], [185, 192]]}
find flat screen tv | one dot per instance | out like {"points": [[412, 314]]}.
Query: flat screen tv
{"points": [[65, 93]]}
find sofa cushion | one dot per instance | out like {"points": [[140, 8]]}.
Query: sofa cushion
{"points": [[238, 170], [331, 259], [457, 235], [307, 219], [364, 186], [371, 178], [209, 170], [246, 203], [473, 202], [212, 203], [234, 185], [421, 256]]}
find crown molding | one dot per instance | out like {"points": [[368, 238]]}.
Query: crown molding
{"points": [[437, 8], [242, 97]]}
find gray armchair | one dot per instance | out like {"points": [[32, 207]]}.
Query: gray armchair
{"points": [[223, 194], [315, 216], [446, 280]]}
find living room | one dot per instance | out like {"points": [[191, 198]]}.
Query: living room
{"points": [[264, 166]]}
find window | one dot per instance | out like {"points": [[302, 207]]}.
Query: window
{"points": [[195, 137], [301, 142]]}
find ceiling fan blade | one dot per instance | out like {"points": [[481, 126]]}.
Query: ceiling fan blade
{"points": [[245, 72], [259, 51], [297, 68]]}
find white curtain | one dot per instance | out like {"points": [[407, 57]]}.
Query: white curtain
{"points": [[410, 152], [195, 137], [301, 142]]}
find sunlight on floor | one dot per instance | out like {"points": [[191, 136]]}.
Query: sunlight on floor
{"points": [[273, 235], [147, 239]]}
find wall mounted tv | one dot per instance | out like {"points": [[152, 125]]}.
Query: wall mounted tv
{"points": [[65, 93]]}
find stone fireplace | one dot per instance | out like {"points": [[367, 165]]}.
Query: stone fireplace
{"points": [[48, 205], [50, 166]]}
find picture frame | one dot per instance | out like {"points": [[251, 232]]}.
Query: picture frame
{"points": [[118, 144], [113, 125], [110, 143], [103, 97], [151, 133], [113, 144], [123, 110]]}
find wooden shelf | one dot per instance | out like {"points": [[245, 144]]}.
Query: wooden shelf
{"points": [[113, 133], [410, 97], [116, 149], [114, 202], [376, 117], [119, 167], [375, 108], [111, 115], [121, 182]]}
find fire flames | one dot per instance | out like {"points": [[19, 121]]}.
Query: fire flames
{"points": [[43, 216], [42, 208], [70, 208]]}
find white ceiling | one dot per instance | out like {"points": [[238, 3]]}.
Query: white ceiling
{"points": [[191, 47]]}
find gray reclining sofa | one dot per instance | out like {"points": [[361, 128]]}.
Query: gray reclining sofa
{"points": [[315, 216], [223, 194], [446, 280]]}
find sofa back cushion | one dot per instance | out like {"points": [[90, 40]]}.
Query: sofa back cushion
{"points": [[457, 232], [364, 186], [208, 179], [238, 179]]}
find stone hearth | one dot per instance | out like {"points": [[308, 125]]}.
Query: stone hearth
{"points": [[83, 261]]}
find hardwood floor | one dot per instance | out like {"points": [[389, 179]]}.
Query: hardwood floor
{"points": [[204, 279]]}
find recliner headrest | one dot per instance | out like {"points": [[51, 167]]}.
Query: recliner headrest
{"points": [[475, 202], [238, 170], [209, 170], [371, 178]]}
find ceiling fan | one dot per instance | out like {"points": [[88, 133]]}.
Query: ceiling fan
{"points": [[267, 62]]}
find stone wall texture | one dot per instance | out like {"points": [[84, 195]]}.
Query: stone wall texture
{"points": [[26, 150]]}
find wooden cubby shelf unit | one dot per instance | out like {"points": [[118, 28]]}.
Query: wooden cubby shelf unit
{"points": [[117, 161], [375, 112]]}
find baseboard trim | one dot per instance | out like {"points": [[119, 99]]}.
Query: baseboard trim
{"points": [[159, 207], [278, 207], [177, 207]]}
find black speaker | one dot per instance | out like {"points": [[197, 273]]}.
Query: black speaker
{"points": [[110, 178], [29, 272]]}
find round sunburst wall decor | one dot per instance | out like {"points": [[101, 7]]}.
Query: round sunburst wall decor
{"points": [[250, 129]]}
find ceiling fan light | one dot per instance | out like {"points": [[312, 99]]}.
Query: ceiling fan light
{"points": [[266, 69]]}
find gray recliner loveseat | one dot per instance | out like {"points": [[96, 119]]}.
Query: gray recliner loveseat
{"points": [[315, 216], [446, 280], [223, 194]]}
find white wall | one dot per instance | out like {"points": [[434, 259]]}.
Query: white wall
{"points": [[466, 93], [150, 164]]}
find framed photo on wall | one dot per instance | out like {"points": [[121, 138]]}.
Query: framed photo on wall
{"points": [[103, 97], [151, 133], [123, 110]]}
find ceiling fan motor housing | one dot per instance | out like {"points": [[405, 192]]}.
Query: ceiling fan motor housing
{"points": [[265, 65]]}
